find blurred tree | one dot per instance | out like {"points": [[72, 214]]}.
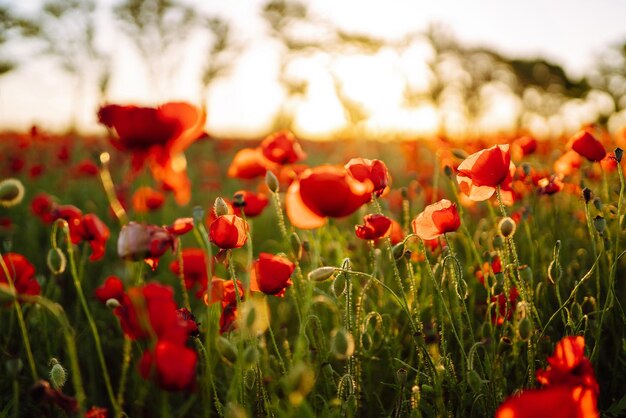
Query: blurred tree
{"points": [[67, 29], [159, 28], [221, 54], [610, 74], [12, 27]]}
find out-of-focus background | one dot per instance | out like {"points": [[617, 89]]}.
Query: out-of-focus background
{"points": [[327, 69]]}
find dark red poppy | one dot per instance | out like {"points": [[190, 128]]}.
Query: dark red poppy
{"points": [[86, 168], [252, 203], [42, 206], [91, 229], [569, 387], [504, 306], [190, 321], [373, 170], [172, 365], [375, 226], [228, 231], [195, 263], [585, 144], [228, 319], [282, 148], [36, 171], [21, 272], [325, 191], [43, 392], [480, 173], [147, 199], [271, 274], [436, 219]]}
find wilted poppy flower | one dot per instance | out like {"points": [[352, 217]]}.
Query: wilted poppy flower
{"points": [[282, 148], [271, 274], [325, 191], [373, 170], [173, 365], [585, 144], [144, 242], [248, 163], [43, 392], [251, 203], [436, 219], [159, 135], [480, 173], [194, 269], [146, 199], [228, 231], [21, 272], [569, 387], [375, 226]]}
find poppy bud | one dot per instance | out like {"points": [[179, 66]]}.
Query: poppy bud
{"points": [[296, 245], [526, 168], [221, 208], [607, 244], [427, 390], [526, 274], [597, 202], [599, 223], [587, 194], [112, 303], [401, 376], [398, 251], [14, 367], [448, 171], [56, 261], [342, 344], [459, 153], [525, 328], [198, 215], [226, 350], [474, 381], [506, 227], [299, 382], [321, 274], [618, 154], [271, 182], [58, 375], [250, 356], [404, 192], [498, 242], [11, 192]]}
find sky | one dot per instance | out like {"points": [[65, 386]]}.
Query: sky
{"points": [[570, 32]]}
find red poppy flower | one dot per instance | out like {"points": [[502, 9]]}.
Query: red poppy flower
{"points": [[91, 229], [585, 144], [36, 171], [180, 226], [374, 227], [228, 231], [86, 168], [282, 148], [570, 387], [504, 306], [195, 263], [373, 170], [223, 291], [489, 268], [480, 173], [271, 274], [248, 163], [550, 185], [97, 412], [325, 191], [173, 365], [436, 219], [146, 199], [252, 203], [526, 144], [42, 206], [159, 135], [189, 319], [144, 242], [22, 274], [228, 319], [112, 288]]}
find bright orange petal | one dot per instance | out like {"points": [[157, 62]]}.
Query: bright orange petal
{"points": [[298, 213]]}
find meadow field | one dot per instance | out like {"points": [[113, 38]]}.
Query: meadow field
{"points": [[158, 272]]}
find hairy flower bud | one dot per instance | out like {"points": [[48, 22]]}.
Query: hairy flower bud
{"points": [[321, 274], [506, 227], [271, 182], [58, 375], [11, 192]]}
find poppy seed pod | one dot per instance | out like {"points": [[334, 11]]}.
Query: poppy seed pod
{"points": [[619, 153], [599, 223], [11, 192], [507, 227], [587, 194]]}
